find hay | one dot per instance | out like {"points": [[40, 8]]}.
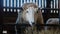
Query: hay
{"points": [[50, 32], [57, 31]]}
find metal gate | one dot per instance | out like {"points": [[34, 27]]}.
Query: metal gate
{"points": [[18, 3]]}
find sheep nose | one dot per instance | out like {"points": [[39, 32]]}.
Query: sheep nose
{"points": [[33, 23]]}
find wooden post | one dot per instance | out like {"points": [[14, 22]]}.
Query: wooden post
{"points": [[1, 16], [59, 10]]}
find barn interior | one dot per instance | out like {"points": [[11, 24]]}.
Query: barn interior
{"points": [[9, 11]]}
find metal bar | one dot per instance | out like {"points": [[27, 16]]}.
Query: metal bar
{"points": [[4, 3], [45, 3], [11, 3], [54, 6], [14, 3], [24, 1], [21, 2], [39, 3], [50, 8], [27, 1], [35, 24], [40, 8], [33, 1], [7, 3], [57, 5], [30, 1]]}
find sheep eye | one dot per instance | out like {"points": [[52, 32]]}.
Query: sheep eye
{"points": [[27, 11], [37, 11]]}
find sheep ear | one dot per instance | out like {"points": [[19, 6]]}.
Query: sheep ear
{"points": [[21, 8]]}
